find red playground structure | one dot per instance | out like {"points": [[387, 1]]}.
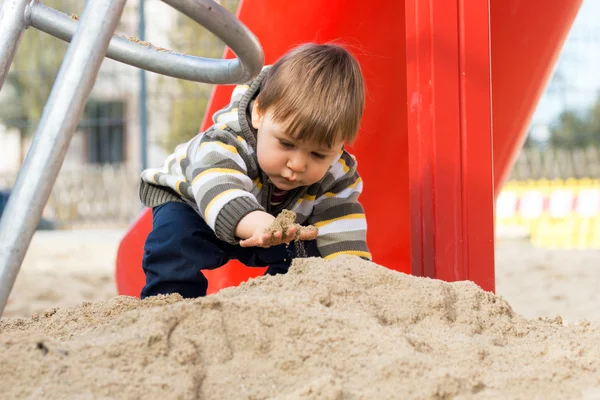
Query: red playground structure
{"points": [[460, 79]]}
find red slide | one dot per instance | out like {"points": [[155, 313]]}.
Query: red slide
{"points": [[526, 37]]}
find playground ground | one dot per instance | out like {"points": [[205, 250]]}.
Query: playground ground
{"points": [[65, 268], [344, 329]]}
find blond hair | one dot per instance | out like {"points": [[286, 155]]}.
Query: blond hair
{"points": [[316, 92]]}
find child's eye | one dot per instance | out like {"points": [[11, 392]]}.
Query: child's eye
{"points": [[320, 156], [286, 144]]}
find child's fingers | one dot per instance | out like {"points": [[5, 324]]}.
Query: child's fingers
{"points": [[260, 240], [266, 239], [291, 233], [308, 233], [278, 237], [247, 242]]}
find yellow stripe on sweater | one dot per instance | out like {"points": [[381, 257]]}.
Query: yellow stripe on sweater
{"points": [[356, 182], [344, 166], [178, 186], [331, 194], [349, 216], [217, 197], [226, 115], [227, 147], [219, 170], [154, 175], [349, 252]]}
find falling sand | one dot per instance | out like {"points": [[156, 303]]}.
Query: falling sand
{"points": [[339, 329], [283, 222]]}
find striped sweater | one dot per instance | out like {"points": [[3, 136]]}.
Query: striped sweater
{"points": [[217, 173]]}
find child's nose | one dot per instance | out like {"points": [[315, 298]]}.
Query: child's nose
{"points": [[297, 162]]}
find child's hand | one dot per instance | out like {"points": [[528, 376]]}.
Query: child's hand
{"points": [[262, 239], [253, 226]]}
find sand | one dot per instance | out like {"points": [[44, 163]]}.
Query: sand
{"points": [[64, 269], [342, 329], [546, 283], [328, 330], [286, 220]]}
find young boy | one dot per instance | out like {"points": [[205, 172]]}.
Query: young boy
{"points": [[278, 145]]}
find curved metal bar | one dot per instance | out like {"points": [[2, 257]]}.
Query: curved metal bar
{"points": [[226, 27], [166, 62]]}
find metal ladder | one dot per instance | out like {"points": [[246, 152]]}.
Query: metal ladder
{"points": [[91, 39]]}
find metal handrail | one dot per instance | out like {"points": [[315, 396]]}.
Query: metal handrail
{"points": [[91, 40]]}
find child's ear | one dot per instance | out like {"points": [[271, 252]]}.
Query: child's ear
{"points": [[256, 115]]}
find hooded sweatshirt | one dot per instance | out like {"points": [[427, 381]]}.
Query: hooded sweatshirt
{"points": [[217, 174]]}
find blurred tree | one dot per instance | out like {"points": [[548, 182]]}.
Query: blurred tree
{"points": [[570, 130], [594, 122], [190, 99], [30, 79], [573, 129]]}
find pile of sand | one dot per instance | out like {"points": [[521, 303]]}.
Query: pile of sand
{"points": [[64, 269], [327, 330]]}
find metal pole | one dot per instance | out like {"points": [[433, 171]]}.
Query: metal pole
{"points": [[143, 93], [63, 110], [12, 26]]}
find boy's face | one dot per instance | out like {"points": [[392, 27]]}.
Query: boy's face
{"points": [[288, 162]]}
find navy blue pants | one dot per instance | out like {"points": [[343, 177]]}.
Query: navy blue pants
{"points": [[181, 245]]}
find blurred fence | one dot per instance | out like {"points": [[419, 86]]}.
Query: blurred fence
{"points": [[97, 185], [557, 163], [93, 196]]}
